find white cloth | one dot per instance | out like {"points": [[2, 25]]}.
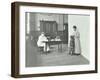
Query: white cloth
{"points": [[40, 42], [77, 42]]}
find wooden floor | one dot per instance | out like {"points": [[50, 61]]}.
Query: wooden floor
{"points": [[55, 58]]}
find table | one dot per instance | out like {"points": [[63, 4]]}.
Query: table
{"points": [[53, 43]]}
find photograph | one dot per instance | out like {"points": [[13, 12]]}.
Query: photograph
{"points": [[56, 39], [53, 39]]}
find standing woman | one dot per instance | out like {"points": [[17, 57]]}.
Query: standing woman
{"points": [[76, 34]]}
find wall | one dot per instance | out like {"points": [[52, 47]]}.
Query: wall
{"points": [[5, 40], [48, 17], [37, 17], [33, 22], [82, 23]]}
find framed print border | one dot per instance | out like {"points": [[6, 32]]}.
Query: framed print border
{"points": [[15, 39]]}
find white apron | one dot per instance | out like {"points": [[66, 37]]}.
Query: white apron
{"points": [[40, 40], [40, 43], [77, 42]]}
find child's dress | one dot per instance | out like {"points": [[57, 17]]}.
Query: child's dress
{"points": [[72, 45]]}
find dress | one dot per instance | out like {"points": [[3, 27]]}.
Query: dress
{"points": [[77, 42], [40, 42], [72, 43]]}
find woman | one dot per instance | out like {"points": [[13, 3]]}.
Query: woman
{"points": [[76, 35]]}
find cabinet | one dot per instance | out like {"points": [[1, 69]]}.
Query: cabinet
{"points": [[49, 27]]}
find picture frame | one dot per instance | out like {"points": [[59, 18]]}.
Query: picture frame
{"points": [[19, 13]]}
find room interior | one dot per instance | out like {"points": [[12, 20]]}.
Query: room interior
{"points": [[53, 25]]}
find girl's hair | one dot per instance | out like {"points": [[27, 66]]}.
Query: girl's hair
{"points": [[74, 27], [71, 37]]}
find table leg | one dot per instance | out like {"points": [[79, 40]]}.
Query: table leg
{"points": [[61, 47], [45, 48]]}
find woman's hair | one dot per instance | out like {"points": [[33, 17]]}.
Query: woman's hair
{"points": [[74, 27]]}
